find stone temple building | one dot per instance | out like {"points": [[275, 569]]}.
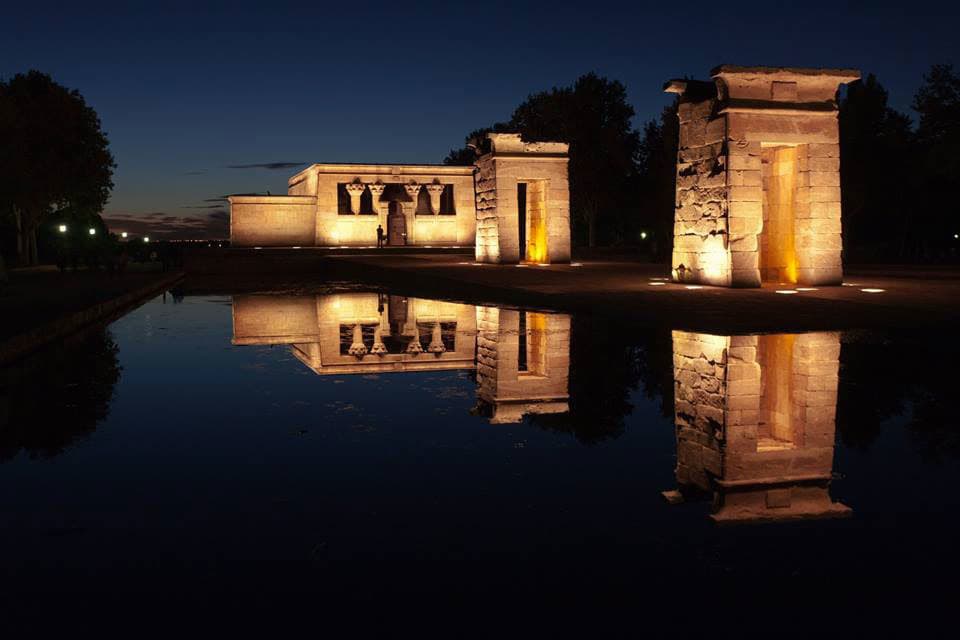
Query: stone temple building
{"points": [[755, 423], [758, 177], [521, 358], [512, 206]]}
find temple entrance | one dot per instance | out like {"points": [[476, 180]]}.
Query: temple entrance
{"points": [[396, 225], [532, 209], [778, 251], [537, 222]]}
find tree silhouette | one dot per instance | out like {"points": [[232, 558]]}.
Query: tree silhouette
{"points": [[50, 401], [876, 173], [938, 133], [54, 155], [594, 117]]}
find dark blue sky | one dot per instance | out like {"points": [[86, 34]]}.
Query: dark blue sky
{"points": [[184, 92]]}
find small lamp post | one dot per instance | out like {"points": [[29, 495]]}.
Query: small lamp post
{"points": [[92, 231], [62, 228], [123, 235], [146, 238]]}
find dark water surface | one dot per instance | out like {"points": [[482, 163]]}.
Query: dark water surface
{"points": [[260, 443]]}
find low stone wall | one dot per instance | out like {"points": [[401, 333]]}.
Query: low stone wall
{"points": [[25, 343], [273, 221]]}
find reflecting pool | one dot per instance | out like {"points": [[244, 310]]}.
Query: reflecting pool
{"points": [[354, 441]]}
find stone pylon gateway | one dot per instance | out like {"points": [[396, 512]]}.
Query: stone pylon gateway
{"points": [[758, 177], [512, 206]]}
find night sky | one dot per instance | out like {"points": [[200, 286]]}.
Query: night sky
{"points": [[197, 101]]}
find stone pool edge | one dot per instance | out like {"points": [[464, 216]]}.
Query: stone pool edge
{"points": [[24, 343]]}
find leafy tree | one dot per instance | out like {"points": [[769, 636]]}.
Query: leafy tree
{"points": [[54, 155], [594, 117], [657, 168], [938, 134], [474, 143], [876, 173]]}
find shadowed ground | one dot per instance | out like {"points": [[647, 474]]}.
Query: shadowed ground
{"points": [[911, 296]]}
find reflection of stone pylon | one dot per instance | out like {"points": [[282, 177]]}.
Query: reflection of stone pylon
{"points": [[415, 347], [358, 348], [379, 348], [436, 342]]}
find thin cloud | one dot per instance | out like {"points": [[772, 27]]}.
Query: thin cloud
{"points": [[212, 225], [273, 166]]}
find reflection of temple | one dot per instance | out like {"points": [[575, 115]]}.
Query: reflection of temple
{"points": [[523, 356], [755, 419], [523, 363]]}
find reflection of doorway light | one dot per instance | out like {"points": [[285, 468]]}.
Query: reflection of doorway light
{"points": [[532, 344]]}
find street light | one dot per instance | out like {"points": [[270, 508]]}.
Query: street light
{"points": [[63, 228], [123, 235], [93, 231], [146, 238], [643, 235]]}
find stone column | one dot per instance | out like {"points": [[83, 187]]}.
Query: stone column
{"points": [[355, 190], [435, 190], [357, 348], [376, 190], [436, 340], [410, 208]]}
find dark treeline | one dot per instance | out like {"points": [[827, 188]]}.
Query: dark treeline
{"points": [[55, 163], [897, 176]]}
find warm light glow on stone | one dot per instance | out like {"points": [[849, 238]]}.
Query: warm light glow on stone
{"points": [[786, 291], [873, 290], [659, 284], [694, 286]]}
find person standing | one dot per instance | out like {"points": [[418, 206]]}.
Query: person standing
{"points": [[379, 236]]}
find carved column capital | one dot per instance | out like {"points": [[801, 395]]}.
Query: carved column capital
{"points": [[435, 190], [355, 190], [376, 189], [412, 189]]}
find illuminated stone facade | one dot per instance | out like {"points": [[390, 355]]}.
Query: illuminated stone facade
{"points": [[755, 420], [519, 196], [758, 177], [522, 358], [341, 205], [523, 202]]}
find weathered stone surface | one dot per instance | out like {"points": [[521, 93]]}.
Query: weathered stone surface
{"points": [[724, 183]]}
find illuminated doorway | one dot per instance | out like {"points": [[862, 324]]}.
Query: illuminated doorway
{"points": [[778, 251], [396, 225], [532, 210]]}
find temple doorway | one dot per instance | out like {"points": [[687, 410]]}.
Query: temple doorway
{"points": [[532, 219], [396, 225], [778, 251]]}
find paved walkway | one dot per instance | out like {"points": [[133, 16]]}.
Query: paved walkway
{"points": [[640, 293]]}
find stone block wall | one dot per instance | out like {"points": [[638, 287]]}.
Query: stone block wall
{"points": [[509, 163], [726, 128], [272, 221], [701, 253]]}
